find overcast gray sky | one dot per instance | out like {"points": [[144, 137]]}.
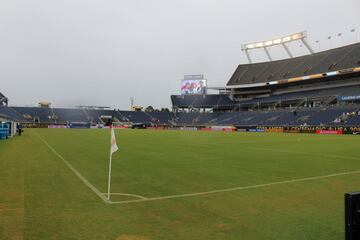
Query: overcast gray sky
{"points": [[102, 52]]}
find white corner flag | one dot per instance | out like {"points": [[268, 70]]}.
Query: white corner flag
{"points": [[113, 148]]}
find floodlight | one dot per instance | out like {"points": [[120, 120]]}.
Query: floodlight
{"points": [[268, 43], [296, 36], [276, 41], [250, 46], [286, 39], [300, 36]]}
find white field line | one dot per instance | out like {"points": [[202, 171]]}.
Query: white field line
{"points": [[126, 194], [144, 199], [238, 188], [81, 177]]}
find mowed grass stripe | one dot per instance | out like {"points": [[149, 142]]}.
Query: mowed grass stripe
{"points": [[243, 148], [156, 158], [12, 188], [78, 174]]}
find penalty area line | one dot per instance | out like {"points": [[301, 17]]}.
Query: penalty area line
{"points": [[237, 188], [81, 177]]}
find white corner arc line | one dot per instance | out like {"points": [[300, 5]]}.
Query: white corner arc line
{"points": [[81, 177], [238, 188], [127, 195]]}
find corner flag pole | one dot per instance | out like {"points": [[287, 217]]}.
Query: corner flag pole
{"points": [[109, 180], [113, 148]]}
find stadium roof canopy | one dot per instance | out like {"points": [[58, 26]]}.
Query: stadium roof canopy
{"points": [[321, 64], [282, 41]]}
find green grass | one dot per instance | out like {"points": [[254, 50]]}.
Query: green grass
{"points": [[41, 198]]}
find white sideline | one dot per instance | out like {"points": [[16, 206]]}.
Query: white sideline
{"points": [[83, 179], [238, 188]]}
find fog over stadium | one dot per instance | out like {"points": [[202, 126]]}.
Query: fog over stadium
{"points": [[105, 52]]}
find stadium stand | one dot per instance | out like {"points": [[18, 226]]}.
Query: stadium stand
{"points": [[332, 94], [319, 79], [281, 117], [162, 117], [321, 89], [93, 116], [70, 115], [10, 114], [309, 90], [35, 114], [202, 101], [317, 116]]}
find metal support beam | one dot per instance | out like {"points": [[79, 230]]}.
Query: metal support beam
{"points": [[281, 41], [268, 53], [287, 50], [248, 56], [307, 45]]}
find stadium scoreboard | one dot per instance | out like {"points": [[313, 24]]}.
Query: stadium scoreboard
{"points": [[193, 84]]}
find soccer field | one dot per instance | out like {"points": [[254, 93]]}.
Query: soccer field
{"points": [[176, 185]]}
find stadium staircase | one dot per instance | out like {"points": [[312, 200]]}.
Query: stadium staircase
{"points": [[53, 116], [17, 114], [123, 118], [90, 119], [152, 118]]}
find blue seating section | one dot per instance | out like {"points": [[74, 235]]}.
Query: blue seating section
{"points": [[31, 114], [284, 117], [9, 113], [297, 96], [94, 116], [202, 101], [65, 115], [281, 117]]}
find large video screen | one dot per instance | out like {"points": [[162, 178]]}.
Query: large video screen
{"points": [[193, 86]]}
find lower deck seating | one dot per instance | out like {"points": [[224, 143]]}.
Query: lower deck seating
{"points": [[279, 117]]}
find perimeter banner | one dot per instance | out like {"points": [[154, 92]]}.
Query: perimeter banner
{"points": [[57, 126], [329, 132]]}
